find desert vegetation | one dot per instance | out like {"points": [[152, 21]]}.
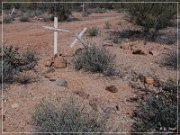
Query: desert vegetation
{"points": [[95, 59], [158, 112], [93, 31], [67, 118], [122, 70], [13, 62]]}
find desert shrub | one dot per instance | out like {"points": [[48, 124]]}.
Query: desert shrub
{"points": [[171, 61], [15, 62], [95, 59], [158, 113], [93, 31], [24, 78], [7, 72], [67, 118], [152, 16], [61, 10], [107, 25], [30, 56], [24, 18], [7, 19]]}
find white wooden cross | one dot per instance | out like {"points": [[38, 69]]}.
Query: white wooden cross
{"points": [[56, 30]]}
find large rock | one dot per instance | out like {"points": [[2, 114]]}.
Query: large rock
{"points": [[59, 62]]}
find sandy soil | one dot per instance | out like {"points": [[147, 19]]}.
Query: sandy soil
{"points": [[32, 36]]}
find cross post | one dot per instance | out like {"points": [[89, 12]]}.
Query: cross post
{"points": [[55, 36]]}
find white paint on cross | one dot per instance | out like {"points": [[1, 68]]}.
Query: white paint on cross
{"points": [[56, 30], [78, 37]]}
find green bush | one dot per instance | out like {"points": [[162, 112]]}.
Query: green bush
{"points": [[7, 19], [93, 31], [68, 118], [95, 59], [158, 113], [152, 16]]}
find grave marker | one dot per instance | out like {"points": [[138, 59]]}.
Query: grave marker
{"points": [[78, 37], [56, 30]]}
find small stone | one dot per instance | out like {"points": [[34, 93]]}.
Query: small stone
{"points": [[125, 46], [15, 105], [52, 79], [111, 88], [48, 63], [61, 82], [50, 76], [141, 51], [82, 94], [136, 85], [154, 52], [108, 44], [133, 99], [149, 80]]}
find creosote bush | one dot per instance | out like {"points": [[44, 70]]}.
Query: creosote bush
{"points": [[158, 113], [67, 118], [152, 16], [15, 62], [93, 31], [95, 59]]}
